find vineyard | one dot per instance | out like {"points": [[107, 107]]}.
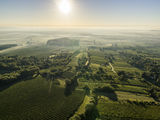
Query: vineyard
{"points": [[31, 100]]}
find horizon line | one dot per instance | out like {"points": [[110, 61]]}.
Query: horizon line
{"points": [[107, 25]]}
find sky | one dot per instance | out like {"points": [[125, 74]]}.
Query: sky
{"points": [[81, 12]]}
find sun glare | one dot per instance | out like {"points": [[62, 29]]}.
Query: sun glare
{"points": [[65, 6]]}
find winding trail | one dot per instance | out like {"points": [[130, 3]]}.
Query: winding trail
{"points": [[112, 68]]}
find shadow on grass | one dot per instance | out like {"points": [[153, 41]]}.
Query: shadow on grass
{"points": [[5, 85], [106, 91], [70, 86]]}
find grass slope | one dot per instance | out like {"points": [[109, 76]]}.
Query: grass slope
{"points": [[31, 100]]}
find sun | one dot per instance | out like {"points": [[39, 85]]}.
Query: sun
{"points": [[65, 6]]}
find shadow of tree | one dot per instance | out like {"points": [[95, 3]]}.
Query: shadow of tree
{"points": [[70, 86], [6, 85], [106, 91], [91, 112]]}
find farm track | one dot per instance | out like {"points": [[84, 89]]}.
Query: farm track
{"points": [[112, 68]]}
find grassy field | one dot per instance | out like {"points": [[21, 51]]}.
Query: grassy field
{"points": [[120, 64], [77, 55], [110, 110], [35, 100], [133, 96], [74, 61], [97, 60]]}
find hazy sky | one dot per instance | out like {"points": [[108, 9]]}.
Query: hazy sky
{"points": [[83, 12]]}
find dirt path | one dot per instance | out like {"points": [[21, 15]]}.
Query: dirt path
{"points": [[87, 63], [112, 67]]}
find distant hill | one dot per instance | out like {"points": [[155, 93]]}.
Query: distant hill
{"points": [[63, 42], [6, 46]]}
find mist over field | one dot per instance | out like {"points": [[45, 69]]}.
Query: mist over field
{"points": [[25, 37]]}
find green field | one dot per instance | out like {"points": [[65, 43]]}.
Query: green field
{"points": [[35, 100], [110, 110]]}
